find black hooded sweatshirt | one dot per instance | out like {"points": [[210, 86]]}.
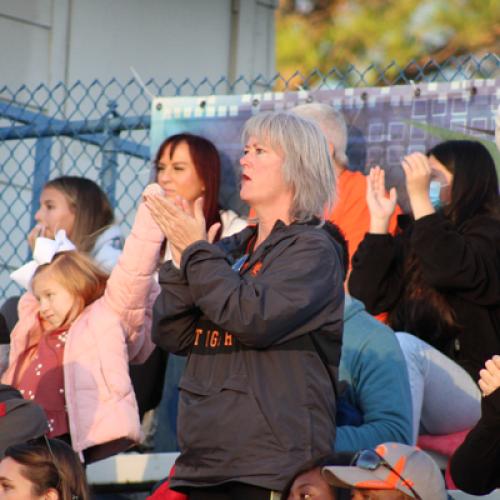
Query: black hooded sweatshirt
{"points": [[461, 263], [263, 338]]}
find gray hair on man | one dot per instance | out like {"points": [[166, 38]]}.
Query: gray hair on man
{"points": [[307, 165], [332, 123]]}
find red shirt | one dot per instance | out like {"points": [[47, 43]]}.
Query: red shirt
{"points": [[42, 380]]}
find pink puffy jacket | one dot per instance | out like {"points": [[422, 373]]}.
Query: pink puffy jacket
{"points": [[109, 333]]}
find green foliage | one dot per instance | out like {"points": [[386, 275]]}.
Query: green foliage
{"points": [[447, 135], [341, 33]]}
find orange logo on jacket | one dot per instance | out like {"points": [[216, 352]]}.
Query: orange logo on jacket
{"points": [[256, 268], [212, 338]]}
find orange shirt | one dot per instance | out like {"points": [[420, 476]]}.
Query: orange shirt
{"points": [[351, 211]]}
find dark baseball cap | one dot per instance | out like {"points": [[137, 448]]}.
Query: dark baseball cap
{"points": [[20, 419]]}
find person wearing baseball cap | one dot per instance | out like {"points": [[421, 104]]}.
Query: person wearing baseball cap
{"points": [[392, 471], [20, 420]]}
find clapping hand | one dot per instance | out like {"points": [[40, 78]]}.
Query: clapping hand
{"points": [[381, 207], [418, 177], [181, 223], [490, 376]]}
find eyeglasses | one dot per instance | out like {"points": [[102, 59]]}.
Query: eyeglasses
{"points": [[371, 460]]}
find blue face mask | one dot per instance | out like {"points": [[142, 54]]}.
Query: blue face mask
{"points": [[434, 193]]}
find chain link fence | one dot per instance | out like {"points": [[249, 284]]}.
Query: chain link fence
{"points": [[101, 131]]}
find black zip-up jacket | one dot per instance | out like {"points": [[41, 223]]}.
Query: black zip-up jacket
{"points": [[257, 398], [462, 263], [475, 466]]}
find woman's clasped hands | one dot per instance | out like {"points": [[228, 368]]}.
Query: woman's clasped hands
{"points": [[182, 223]]}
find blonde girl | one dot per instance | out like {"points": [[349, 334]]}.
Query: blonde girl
{"points": [[77, 332], [81, 208]]}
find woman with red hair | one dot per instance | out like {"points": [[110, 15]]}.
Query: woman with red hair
{"points": [[188, 166]]}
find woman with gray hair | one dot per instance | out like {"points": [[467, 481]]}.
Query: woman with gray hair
{"points": [[259, 316]]}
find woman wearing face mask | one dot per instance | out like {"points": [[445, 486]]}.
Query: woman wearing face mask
{"points": [[439, 278]]}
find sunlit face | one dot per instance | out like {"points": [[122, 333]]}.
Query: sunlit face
{"points": [[57, 305], [444, 176], [378, 495], [13, 485], [177, 175], [262, 180], [55, 213], [311, 485]]}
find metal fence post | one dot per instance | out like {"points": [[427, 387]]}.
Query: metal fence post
{"points": [[109, 170], [41, 174]]}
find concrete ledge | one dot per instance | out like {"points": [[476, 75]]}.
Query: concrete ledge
{"points": [[127, 468], [139, 468]]}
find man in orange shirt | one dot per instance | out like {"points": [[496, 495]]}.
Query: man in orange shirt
{"points": [[350, 212]]}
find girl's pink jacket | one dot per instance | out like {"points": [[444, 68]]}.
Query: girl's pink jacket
{"points": [[109, 333]]}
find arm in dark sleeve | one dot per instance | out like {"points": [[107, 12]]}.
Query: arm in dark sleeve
{"points": [[376, 276], [475, 465], [286, 296], [465, 262], [174, 313]]}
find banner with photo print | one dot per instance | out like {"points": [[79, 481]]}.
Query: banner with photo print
{"points": [[385, 123]]}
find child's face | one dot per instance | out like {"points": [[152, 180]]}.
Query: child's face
{"points": [[57, 305], [54, 213]]}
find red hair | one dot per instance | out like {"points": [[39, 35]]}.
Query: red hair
{"points": [[206, 161]]}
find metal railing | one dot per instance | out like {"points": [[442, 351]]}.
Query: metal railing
{"points": [[101, 131]]}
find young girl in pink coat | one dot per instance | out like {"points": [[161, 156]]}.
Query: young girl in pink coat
{"points": [[77, 332]]}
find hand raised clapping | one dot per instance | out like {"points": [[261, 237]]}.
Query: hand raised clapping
{"points": [[418, 174], [490, 376], [381, 207], [181, 224], [418, 177]]}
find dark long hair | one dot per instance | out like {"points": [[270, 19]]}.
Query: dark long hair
{"points": [[474, 191], [206, 161], [474, 188], [56, 467]]}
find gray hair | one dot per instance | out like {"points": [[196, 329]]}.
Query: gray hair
{"points": [[332, 124], [307, 166]]}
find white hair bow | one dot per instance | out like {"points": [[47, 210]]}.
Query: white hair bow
{"points": [[43, 253]]}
